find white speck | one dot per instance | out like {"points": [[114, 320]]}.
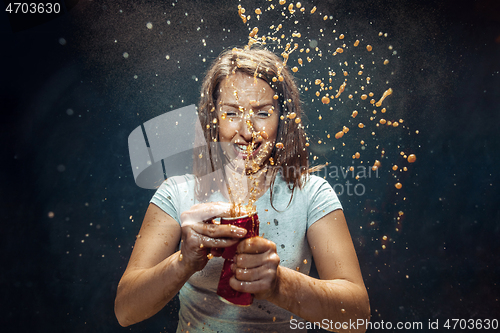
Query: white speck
{"points": [[167, 57], [50, 214], [135, 77], [69, 112], [125, 55], [149, 25], [168, 22]]}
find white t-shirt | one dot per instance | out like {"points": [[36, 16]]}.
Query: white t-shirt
{"points": [[201, 310]]}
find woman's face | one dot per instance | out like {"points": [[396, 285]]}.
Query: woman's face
{"points": [[248, 119]]}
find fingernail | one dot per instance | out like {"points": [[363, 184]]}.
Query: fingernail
{"points": [[239, 231]]}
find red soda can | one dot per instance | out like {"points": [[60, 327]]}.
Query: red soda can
{"points": [[225, 292]]}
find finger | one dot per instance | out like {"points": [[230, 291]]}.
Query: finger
{"points": [[209, 242], [253, 274], [218, 230], [194, 241], [206, 211], [247, 261], [255, 245], [252, 287]]}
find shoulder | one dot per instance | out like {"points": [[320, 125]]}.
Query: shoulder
{"points": [[185, 182], [313, 183], [321, 198], [175, 195], [175, 188], [319, 192], [313, 179]]}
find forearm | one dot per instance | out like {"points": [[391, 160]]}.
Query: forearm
{"points": [[316, 300], [143, 292]]}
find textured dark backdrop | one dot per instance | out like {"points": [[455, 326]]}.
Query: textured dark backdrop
{"points": [[69, 100]]}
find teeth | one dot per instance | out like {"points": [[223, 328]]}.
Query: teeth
{"points": [[243, 148]]}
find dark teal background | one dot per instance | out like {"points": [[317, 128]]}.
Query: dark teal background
{"points": [[60, 274]]}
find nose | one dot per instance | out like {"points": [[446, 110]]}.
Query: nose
{"points": [[246, 129]]}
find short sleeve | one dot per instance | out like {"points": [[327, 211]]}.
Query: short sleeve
{"points": [[166, 198], [322, 199]]}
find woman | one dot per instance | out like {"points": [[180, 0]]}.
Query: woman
{"points": [[255, 157]]}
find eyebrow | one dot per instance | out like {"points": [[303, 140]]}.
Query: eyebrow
{"points": [[236, 106]]}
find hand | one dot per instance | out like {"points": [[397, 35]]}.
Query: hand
{"points": [[200, 235], [256, 267]]}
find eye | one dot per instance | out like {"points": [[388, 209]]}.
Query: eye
{"points": [[263, 114], [231, 114]]}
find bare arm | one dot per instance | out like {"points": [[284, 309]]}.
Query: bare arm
{"points": [[339, 295], [156, 271]]}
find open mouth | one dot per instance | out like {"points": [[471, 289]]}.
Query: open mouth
{"points": [[248, 149]]}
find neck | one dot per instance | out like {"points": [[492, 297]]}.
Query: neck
{"points": [[245, 188]]}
